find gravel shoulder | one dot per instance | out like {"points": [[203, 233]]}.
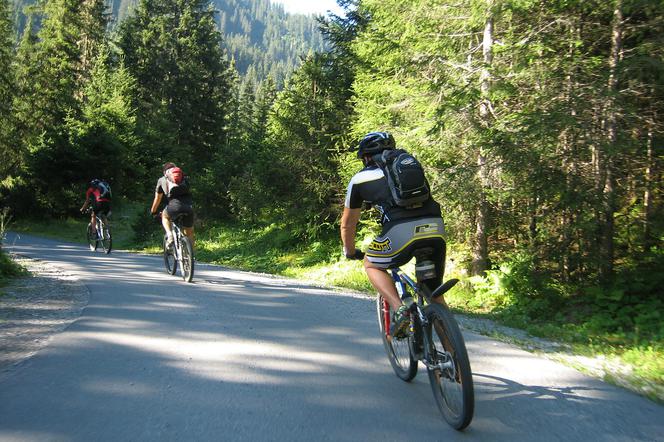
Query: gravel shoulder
{"points": [[607, 368], [35, 307]]}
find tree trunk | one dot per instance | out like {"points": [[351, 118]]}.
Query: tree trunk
{"points": [[605, 161], [569, 159], [481, 249], [648, 240]]}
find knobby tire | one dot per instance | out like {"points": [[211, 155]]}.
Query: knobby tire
{"points": [[106, 239], [399, 351], [92, 238], [453, 387], [187, 265], [170, 262]]}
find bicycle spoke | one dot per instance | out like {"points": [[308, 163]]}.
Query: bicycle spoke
{"points": [[92, 238], [448, 366], [187, 259]]}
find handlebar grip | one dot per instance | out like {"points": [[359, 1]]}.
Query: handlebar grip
{"points": [[358, 255]]}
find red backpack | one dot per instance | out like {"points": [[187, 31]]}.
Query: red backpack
{"points": [[175, 175], [176, 181]]}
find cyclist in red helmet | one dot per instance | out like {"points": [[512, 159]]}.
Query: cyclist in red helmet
{"points": [[175, 186]]}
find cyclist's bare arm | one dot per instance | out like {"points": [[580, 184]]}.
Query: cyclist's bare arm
{"points": [[155, 203], [349, 219], [85, 204]]}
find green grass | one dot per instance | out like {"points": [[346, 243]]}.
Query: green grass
{"points": [[271, 249]]}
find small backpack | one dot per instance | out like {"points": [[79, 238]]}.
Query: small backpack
{"points": [[176, 182], [104, 189], [405, 177]]}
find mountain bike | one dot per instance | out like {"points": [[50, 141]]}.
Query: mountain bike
{"points": [[433, 338], [100, 235], [179, 253]]}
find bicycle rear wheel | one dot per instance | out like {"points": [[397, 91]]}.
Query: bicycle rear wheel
{"points": [[449, 372], [187, 267], [399, 350], [106, 239], [92, 237], [170, 261]]}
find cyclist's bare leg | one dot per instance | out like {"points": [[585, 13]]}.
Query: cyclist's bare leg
{"points": [[189, 231], [93, 221], [383, 283], [166, 223]]}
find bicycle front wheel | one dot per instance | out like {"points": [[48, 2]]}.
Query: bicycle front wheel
{"points": [[449, 368], [106, 239], [187, 264], [92, 237], [170, 262], [399, 350]]}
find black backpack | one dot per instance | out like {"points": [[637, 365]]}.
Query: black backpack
{"points": [[405, 177]]}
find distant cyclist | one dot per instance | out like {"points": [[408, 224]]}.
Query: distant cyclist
{"points": [[403, 227], [175, 186], [99, 195]]}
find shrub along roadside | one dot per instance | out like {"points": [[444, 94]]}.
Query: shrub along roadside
{"points": [[593, 321], [621, 323], [9, 269]]}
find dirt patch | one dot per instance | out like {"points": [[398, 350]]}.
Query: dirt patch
{"points": [[34, 307]]}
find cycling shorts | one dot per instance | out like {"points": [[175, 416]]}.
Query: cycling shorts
{"points": [[395, 246], [101, 207], [175, 209]]}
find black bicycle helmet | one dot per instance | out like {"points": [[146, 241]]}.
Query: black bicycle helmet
{"points": [[375, 142]]}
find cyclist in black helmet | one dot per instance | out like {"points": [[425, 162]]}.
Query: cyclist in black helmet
{"points": [[98, 196], [403, 229]]}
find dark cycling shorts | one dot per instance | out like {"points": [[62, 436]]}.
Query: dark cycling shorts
{"points": [[101, 207], [175, 208], [395, 246]]}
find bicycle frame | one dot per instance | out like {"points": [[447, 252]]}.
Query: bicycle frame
{"points": [[100, 226], [421, 341], [434, 339], [177, 247]]}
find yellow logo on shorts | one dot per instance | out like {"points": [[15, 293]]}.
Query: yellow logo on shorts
{"points": [[381, 246], [424, 229]]}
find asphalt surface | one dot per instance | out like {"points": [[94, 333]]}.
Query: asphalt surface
{"points": [[240, 356]]}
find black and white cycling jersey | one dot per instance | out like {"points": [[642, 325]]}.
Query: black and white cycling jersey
{"points": [[370, 185]]}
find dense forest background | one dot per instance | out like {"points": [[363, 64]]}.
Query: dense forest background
{"points": [[540, 123], [260, 37]]}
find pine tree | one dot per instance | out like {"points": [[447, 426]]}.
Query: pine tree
{"points": [[7, 89], [174, 51]]}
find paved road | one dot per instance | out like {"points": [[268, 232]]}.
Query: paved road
{"points": [[236, 356]]}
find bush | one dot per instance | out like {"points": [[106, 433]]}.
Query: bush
{"points": [[147, 229], [516, 288], [8, 268]]}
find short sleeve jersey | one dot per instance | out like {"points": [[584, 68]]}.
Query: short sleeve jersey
{"points": [[370, 185], [162, 188]]}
